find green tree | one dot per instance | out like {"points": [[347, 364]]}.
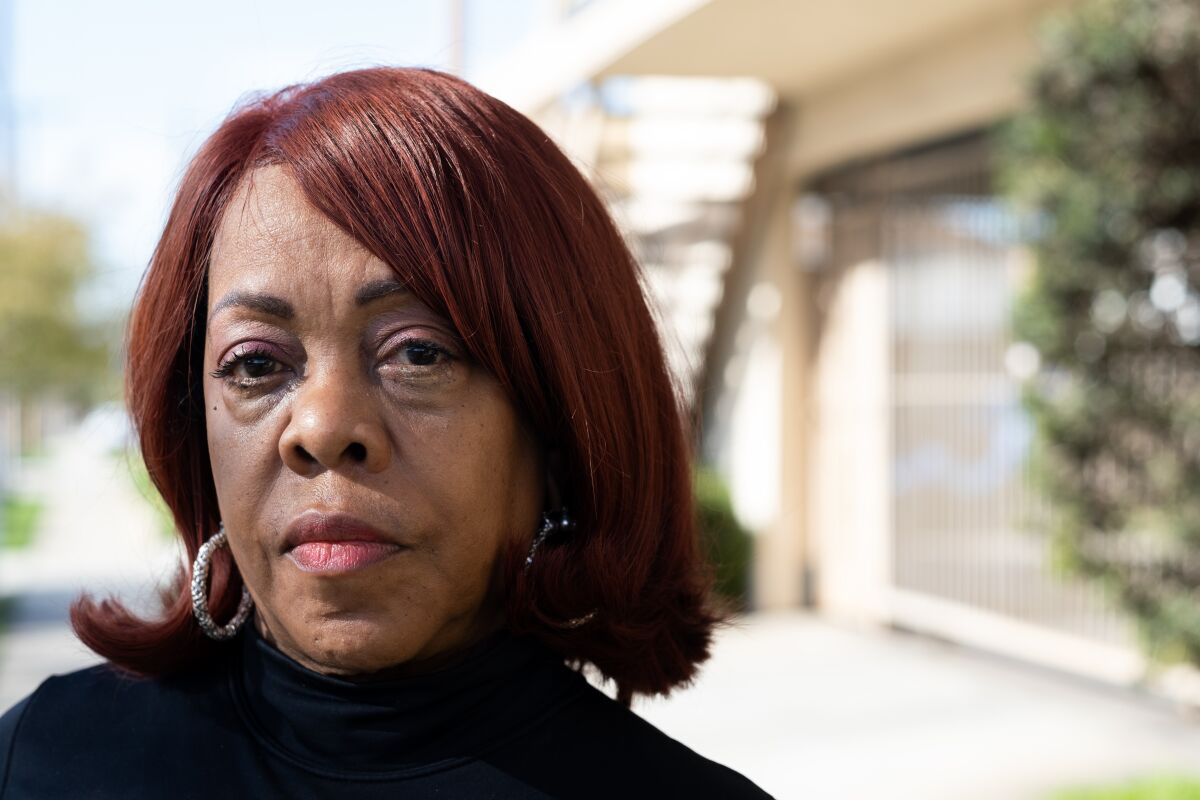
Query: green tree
{"points": [[1109, 155], [728, 545], [47, 347]]}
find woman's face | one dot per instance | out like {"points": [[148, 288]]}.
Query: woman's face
{"points": [[330, 389]]}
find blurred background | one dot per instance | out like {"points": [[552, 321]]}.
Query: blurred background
{"points": [[927, 275]]}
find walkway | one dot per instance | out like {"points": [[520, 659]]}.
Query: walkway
{"points": [[97, 534], [815, 711]]}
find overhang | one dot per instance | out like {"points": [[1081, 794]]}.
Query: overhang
{"points": [[797, 46]]}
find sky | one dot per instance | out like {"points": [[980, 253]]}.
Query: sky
{"points": [[111, 98]]}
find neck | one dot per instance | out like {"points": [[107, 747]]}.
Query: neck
{"points": [[484, 630], [325, 722]]}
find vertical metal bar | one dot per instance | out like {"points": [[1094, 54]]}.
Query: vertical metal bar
{"points": [[957, 535]]}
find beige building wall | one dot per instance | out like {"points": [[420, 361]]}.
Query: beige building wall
{"points": [[834, 506], [854, 79], [965, 79], [847, 438], [781, 548]]}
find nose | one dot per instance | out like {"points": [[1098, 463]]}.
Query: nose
{"points": [[334, 424]]}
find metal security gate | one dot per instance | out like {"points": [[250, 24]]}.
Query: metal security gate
{"points": [[965, 559]]}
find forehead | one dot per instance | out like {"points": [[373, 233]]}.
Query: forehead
{"points": [[270, 236]]}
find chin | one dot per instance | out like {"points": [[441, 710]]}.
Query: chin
{"points": [[355, 643]]}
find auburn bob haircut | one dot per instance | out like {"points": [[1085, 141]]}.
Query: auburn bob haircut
{"points": [[491, 226]]}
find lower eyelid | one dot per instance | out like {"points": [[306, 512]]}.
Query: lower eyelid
{"points": [[395, 370]]}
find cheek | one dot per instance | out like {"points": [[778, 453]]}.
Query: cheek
{"points": [[241, 456], [480, 483]]}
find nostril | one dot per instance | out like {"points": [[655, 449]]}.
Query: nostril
{"points": [[357, 451]]}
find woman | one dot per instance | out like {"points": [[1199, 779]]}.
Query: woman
{"points": [[392, 370]]}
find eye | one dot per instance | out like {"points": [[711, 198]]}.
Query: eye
{"points": [[422, 353], [256, 363]]}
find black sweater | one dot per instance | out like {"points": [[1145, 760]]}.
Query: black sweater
{"points": [[508, 719]]}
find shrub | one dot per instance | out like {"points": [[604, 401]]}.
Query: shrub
{"points": [[729, 546], [1109, 156]]}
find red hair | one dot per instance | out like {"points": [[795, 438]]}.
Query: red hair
{"points": [[491, 226]]}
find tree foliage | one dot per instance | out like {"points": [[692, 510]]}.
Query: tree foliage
{"points": [[1108, 154], [46, 345], [728, 545]]}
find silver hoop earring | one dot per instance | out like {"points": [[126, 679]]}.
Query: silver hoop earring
{"points": [[199, 592], [555, 524]]}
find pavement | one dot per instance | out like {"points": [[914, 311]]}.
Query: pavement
{"points": [[802, 705], [97, 533], [809, 708]]}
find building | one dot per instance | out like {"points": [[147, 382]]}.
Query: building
{"points": [[812, 192]]}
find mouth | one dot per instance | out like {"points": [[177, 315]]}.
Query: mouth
{"points": [[334, 557], [335, 542]]}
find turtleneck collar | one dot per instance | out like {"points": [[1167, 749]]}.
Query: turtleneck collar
{"points": [[393, 725]]}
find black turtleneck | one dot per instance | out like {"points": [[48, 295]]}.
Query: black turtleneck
{"points": [[505, 719]]}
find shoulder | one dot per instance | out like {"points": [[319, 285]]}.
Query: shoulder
{"points": [[91, 724], [43, 729], [10, 723], [624, 755], [104, 698]]}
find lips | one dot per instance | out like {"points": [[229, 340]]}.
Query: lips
{"points": [[340, 556], [331, 542]]}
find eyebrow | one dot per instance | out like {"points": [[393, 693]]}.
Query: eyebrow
{"points": [[257, 301], [377, 289], [278, 307]]}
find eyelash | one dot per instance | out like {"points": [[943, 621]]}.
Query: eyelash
{"points": [[227, 367], [428, 344], [225, 370]]}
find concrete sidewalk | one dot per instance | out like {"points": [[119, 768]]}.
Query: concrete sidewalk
{"points": [[96, 530], [96, 534], [809, 709]]}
